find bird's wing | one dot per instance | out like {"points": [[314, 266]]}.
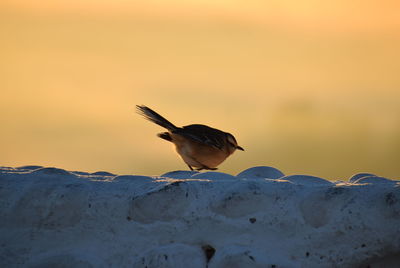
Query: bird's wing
{"points": [[204, 134]]}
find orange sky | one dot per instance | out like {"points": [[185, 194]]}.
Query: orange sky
{"points": [[306, 86], [339, 15]]}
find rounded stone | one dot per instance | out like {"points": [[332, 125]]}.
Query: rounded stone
{"points": [[307, 180], [359, 176], [263, 172], [374, 179], [179, 174], [51, 171], [212, 175]]}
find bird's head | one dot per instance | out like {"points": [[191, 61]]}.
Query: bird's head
{"points": [[232, 143]]}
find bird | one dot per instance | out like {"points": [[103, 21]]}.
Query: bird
{"points": [[200, 146]]}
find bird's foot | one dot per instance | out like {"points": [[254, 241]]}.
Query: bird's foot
{"points": [[206, 168]]}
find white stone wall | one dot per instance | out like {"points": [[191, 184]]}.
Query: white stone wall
{"points": [[260, 218]]}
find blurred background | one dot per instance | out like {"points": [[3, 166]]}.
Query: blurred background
{"points": [[309, 87]]}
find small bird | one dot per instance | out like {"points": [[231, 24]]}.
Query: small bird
{"points": [[200, 146]]}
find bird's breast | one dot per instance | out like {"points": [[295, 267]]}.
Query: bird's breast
{"points": [[197, 154]]}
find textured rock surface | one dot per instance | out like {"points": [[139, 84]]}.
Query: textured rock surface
{"points": [[261, 218]]}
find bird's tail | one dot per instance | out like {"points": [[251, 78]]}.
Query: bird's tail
{"points": [[154, 117]]}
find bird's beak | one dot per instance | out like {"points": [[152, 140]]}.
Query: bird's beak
{"points": [[239, 148]]}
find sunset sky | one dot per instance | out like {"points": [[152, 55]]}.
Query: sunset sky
{"points": [[308, 87]]}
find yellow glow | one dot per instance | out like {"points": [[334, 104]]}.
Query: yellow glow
{"points": [[305, 86], [310, 14]]}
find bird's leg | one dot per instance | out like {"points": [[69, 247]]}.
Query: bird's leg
{"points": [[190, 167]]}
